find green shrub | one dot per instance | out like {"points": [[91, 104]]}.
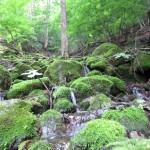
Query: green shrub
{"points": [[97, 134]]}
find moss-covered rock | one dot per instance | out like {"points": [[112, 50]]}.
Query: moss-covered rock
{"points": [[87, 86], [99, 101], [106, 49], [50, 121], [132, 118], [16, 123], [40, 145], [129, 144], [25, 87], [142, 61], [62, 92], [91, 60], [5, 79], [61, 71], [97, 134], [63, 105], [94, 72]]}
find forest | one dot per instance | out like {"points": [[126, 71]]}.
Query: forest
{"points": [[74, 75]]}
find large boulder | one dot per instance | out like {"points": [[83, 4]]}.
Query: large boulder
{"points": [[25, 87], [106, 49], [61, 71], [88, 86], [97, 134], [5, 79]]}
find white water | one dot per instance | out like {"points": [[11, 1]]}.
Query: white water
{"points": [[73, 98], [138, 93], [86, 70]]}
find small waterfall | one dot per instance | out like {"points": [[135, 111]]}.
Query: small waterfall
{"points": [[86, 70], [1, 95], [138, 93], [73, 98]]}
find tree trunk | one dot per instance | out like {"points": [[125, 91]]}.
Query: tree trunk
{"points": [[46, 38], [64, 38]]}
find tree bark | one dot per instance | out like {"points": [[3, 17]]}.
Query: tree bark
{"points": [[64, 37]]}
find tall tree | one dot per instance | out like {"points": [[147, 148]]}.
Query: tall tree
{"points": [[64, 37]]}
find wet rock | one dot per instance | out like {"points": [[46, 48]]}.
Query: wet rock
{"points": [[135, 135], [5, 79]]}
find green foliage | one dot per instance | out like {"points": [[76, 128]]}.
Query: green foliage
{"points": [[94, 72], [132, 118], [134, 144], [63, 105], [25, 87], [16, 123], [62, 92], [124, 55], [97, 134], [40, 145]]}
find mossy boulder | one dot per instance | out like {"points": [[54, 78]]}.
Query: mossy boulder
{"points": [[94, 72], [97, 134], [63, 105], [25, 87], [132, 118], [16, 123], [40, 145], [62, 92], [87, 86], [40, 96], [142, 61], [5, 79], [106, 49], [99, 101], [98, 63], [129, 144], [50, 121], [61, 71]]}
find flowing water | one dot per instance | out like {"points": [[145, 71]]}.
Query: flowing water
{"points": [[73, 98], [86, 70]]}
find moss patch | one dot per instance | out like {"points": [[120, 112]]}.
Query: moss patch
{"points": [[97, 134], [16, 123], [25, 87], [94, 72]]}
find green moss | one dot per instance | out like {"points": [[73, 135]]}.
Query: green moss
{"points": [[87, 86], [21, 68], [99, 101], [5, 79], [61, 71], [142, 61], [118, 83], [97, 134], [63, 105], [51, 115], [40, 145], [94, 72], [62, 92], [16, 123], [106, 49], [14, 76], [25, 87], [17, 81], [130, 144], [132, 118], [91, 60]]}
